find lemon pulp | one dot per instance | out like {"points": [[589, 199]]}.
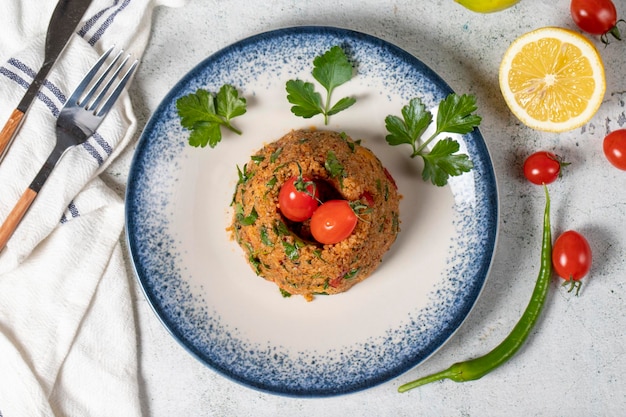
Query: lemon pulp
{"points": [[552, 79]]}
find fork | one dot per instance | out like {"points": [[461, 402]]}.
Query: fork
{"points": [[78, 120]]}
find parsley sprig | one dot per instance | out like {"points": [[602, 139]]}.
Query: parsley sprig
{"points": [[331, 70], [204, 114], [454, 115]]}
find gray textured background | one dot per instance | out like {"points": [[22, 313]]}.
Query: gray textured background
{"points": [[574, 362]]}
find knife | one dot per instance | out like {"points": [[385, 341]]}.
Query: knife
{"points": [[65, 18]]}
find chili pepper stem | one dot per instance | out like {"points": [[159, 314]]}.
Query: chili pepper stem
{"points": [[449, 373]]}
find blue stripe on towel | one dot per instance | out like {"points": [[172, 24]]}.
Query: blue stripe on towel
{"points": [[73, 210], [22, 67], [31, 73], [91, 22], [14, 77], [22, 82], [104, 144], [93, 152], [96, 37]]}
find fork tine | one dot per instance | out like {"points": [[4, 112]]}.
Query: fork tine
{"points": [[96, 102], [78, 92], [118, 89], [100, 80]]}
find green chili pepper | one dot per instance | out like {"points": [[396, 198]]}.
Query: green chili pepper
{"points": [[476, 368]]}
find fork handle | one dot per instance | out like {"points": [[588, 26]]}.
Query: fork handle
{"points": [[8, 131], [15, 216]]}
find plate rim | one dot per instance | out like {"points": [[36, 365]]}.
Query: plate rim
{"points": [[478, 140]]}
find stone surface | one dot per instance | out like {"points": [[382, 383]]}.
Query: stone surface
{"points": [[573, 364]]}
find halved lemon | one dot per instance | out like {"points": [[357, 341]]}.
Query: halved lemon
{"points": [[552, 79]]}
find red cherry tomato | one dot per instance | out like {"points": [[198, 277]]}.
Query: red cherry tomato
{"points": [[298, 198], [571, 257], [333, 222], [614, 147], [597, 17], [542, 167]]}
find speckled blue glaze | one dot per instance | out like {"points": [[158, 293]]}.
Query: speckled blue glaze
{"points": [[201, 329]]}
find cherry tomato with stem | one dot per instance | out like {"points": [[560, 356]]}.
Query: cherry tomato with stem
{"points": [[614, 147], [571, 258], [333, 221], [543, 167], [298, 198], [596, 17]]}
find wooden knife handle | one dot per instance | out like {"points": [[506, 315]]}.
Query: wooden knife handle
{"points": [[15, 216], [9, 129]]}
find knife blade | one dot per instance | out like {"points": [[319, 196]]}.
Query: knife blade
{"points": [[63, 22]]}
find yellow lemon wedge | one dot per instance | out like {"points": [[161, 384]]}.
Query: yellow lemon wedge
{"points": [[552, 79]]}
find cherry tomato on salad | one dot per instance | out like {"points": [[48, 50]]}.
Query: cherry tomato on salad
{"points": [[333, 221], [597, 17], [571, 258], [298, 198], [543, 167], [614, 147]]}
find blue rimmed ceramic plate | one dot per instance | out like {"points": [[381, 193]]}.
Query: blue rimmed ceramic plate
{"points": [[197, 279]]}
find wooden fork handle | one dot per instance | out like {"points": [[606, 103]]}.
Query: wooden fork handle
{"points": [[8, 131], [15, 216]]}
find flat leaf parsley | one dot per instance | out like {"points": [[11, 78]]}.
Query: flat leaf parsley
{"points": [[331, 70], [204, 113], [455, 115]]}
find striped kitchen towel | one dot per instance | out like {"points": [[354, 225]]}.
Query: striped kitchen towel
{"points": [[67, 335]]}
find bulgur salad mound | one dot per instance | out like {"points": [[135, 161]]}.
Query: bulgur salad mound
{"points": [[286, 252]]}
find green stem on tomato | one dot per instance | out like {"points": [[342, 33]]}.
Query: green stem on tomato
{"points": [[476, 368]]}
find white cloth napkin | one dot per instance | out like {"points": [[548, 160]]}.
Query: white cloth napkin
{"points": [[67, 332]]}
